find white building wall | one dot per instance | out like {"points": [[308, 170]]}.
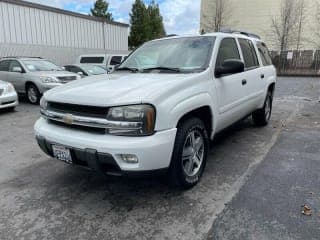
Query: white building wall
{"points": [[35, 30], [256, 16]]}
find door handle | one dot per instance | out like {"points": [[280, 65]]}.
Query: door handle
{"points": [[262, 76], [244, 82]]}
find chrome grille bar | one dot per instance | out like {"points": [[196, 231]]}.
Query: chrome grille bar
{"points": [[70, 119]]}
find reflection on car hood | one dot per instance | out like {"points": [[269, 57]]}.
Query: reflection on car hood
{"points": [[119, 89]]}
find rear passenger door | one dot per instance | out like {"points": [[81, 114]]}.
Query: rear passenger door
{"points": [[253, 74], [231, 93]]}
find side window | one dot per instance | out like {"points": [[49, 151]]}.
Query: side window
{"points": [[14, 63], [249, 53], [264, 54], [4, 65], [96, 60], [228, 50], [115, 60], [67, 68]]}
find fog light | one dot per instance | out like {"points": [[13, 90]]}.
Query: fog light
{"points": [[129, 158]]}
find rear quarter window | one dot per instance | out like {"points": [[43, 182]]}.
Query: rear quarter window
{"points": [[264, 54]]}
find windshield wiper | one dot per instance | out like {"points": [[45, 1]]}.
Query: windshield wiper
{"points": [[178, 70], [134, 70]]}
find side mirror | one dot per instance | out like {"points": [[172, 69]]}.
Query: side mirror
{"points": [[17, 69], [229, 66]]}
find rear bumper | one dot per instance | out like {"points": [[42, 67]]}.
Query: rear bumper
{"points": [[102, 152], [8, 100]]}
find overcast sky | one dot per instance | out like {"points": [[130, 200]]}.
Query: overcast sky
{"points": [[180, 16]]}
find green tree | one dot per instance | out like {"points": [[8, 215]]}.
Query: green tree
{"points": [[146, 23], [100, 9], [156, 21], [140, 28]]}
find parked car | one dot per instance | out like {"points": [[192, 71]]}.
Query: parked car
{"points": [[107, 61], [33, 76], [85, 70], [161, 107], [8, 96]]}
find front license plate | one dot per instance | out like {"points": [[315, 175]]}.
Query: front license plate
{"points": [[62, 153]]}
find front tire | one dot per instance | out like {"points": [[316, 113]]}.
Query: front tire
{"points": [[190, 154], [262, 116], [33, 94]]}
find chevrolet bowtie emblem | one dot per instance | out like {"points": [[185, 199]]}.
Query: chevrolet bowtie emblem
{"points": [[68, 119]]}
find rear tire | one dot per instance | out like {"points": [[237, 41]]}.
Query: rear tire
{"points": [[33, 94], [262, 116], [190, 154]]}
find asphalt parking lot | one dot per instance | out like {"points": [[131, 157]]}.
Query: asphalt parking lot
{"points": [[42, 198]]}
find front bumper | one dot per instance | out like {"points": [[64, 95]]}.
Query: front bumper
{"points": [[8, 100], [102, 152]]}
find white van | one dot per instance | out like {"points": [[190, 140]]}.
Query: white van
{"points": [[108, 61]]}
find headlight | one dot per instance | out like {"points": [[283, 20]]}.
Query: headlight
{"points": [[49, 80], [134, 120], [9, 88], [43, 103]]}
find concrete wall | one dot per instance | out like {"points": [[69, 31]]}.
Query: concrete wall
{"points": [[36, 30], [256, 16]]}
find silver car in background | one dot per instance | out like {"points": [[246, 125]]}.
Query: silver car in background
{"points": [[33, 76], [8, 96]]}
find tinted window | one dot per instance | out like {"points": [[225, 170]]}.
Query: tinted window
{"points": [[228, 50], [4, 65], [264, 54], [115, 60], [13, 64], [249, 53], [92, 60]]}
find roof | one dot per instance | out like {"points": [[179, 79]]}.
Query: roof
{"points": [[61, 11]]}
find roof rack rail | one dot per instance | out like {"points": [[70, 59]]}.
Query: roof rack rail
{"points": [[240, 32], [21, 57]]}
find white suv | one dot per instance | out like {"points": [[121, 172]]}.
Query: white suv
{"points": [[161, 107]]}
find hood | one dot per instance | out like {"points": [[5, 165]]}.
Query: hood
{"points": [[118, 89], [54, 73]]}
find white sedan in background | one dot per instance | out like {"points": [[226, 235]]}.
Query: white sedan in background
{"points": [[8, 96]]}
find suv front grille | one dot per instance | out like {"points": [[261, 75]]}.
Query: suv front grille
{"points": [[79, 110], [67, 78]]}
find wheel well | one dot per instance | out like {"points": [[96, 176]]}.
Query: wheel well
{"points": [[203, 113], [28, 84], [271, 87]]}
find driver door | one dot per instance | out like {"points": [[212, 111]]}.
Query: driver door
{"points": [[230, 89]]}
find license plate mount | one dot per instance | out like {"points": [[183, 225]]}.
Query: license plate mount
{"points": [[62, 153]]}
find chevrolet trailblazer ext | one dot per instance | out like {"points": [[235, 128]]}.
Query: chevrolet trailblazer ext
{"points": [[161, 107]]}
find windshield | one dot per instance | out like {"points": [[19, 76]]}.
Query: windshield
{"points": [[183, 54], [94, 70], [40, 65]]}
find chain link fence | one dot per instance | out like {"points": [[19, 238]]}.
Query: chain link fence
{"points": [[297, 63]]}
